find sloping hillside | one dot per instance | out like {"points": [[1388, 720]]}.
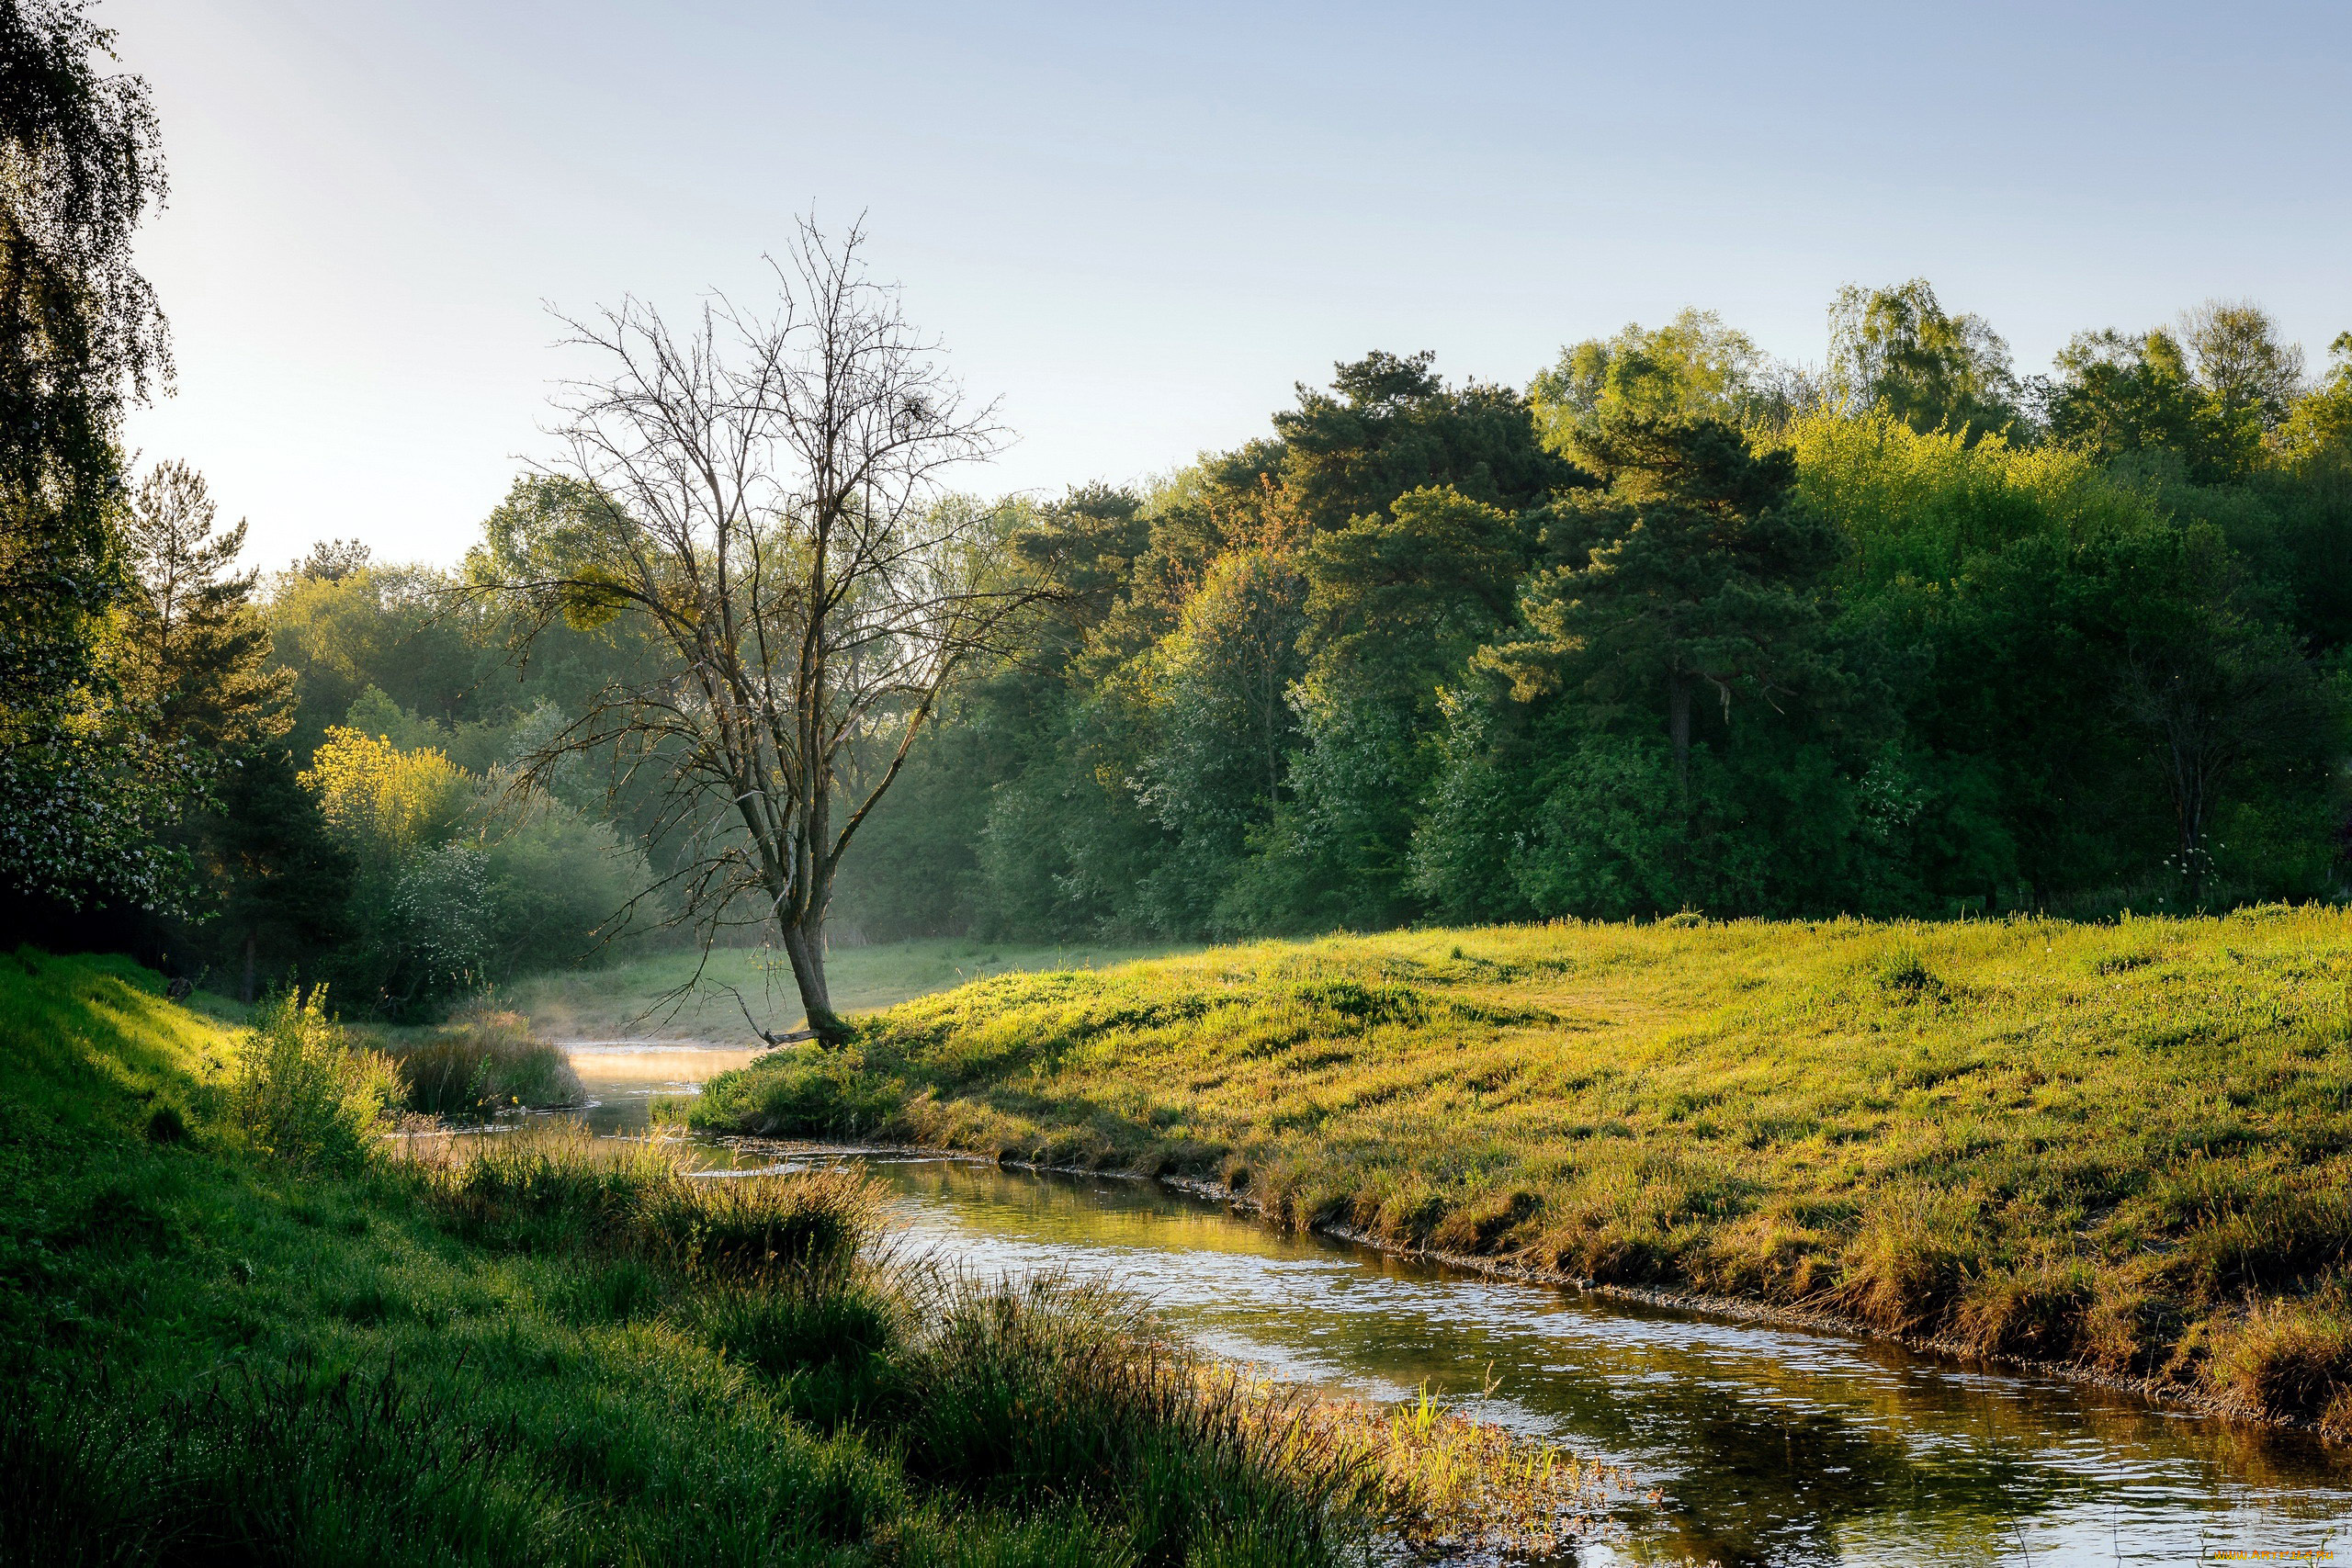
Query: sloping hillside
{"points": [[226, 1337]]}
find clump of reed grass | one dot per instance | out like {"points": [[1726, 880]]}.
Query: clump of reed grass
{"points": [[556, 1187], [2292, 1358], [302, 1092], [1907, 1262], [1049, 1386], [483, 1061], [1452, 1486]]}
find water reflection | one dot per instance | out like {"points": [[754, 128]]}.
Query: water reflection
{"points": [[1769, 1445], [625, 1077]]}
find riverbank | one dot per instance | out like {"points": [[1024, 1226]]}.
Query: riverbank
{"points": [[234, 1326], [2125, 1151]]}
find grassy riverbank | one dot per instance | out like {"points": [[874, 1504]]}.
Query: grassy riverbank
{"points": [[232, 1327], [2125, 1147], [640, 1000]]}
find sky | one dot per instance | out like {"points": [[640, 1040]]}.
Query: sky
{"points": [[1137, 228]]}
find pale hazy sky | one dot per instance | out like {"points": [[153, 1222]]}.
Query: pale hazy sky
{"points": [[1139, 228]]}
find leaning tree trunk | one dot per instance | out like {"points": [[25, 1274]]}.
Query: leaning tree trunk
{"points": [[804, 945]]}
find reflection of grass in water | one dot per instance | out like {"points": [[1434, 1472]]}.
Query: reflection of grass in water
{"points": [[2084, 1143], [614, 1003], [533, 1346]]}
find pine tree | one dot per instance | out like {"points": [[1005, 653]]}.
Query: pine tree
{"points": [[1694, 569], [196, 649]]}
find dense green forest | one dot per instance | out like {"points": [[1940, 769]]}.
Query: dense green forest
{"points": [[1677, 626]]}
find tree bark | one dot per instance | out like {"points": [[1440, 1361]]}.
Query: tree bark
{"points": [[1678, 727], [804, 945], [2190, 805], [246, 990]]}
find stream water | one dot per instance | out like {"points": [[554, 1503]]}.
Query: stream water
{"points": [[1769, 1445]]}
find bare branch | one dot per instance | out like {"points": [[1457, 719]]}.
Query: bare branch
{"points": [[760, 494]]}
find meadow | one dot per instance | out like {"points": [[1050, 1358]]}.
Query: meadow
{"points": [[2125, 1149], [648, 997], [240, 1324]]}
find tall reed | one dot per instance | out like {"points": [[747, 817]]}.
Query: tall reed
{"points": [[556, 1185], [482, 1061]]}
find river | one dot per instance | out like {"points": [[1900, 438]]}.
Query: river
{"points": [[1769, 1445]]}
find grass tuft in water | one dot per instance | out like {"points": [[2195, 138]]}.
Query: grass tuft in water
{"points": [[484, 1061]]}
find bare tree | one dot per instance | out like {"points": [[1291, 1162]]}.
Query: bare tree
{"points": [[761, 494]]}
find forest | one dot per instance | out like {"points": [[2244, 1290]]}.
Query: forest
{"points": [[1673, 628]]}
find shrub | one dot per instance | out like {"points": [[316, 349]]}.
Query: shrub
{"points": [[303, 1094]]}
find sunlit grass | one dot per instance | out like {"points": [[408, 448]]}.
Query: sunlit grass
{"points": [[533, 1346], [483, 1061], [2123, 1146]]}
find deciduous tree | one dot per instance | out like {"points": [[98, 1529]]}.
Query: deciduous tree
{"points": [[762, 493], [1897, 351], [80, 791]]}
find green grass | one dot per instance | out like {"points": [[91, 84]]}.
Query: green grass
{"points": [[480, 1062], [541, 1348], [2123, 1148], [627, 1002]]}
